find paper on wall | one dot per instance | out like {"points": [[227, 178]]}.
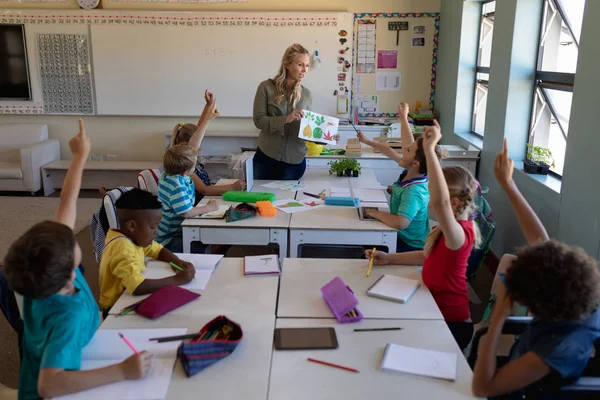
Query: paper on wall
{"points": [[388, 81]]}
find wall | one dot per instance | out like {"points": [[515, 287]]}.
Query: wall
{"points": [[141, 138], [568, 208]]}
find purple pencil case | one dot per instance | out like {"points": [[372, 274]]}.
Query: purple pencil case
{"points": [[342, 301]]}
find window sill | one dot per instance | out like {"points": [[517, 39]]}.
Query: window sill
{"points": [[472, 139], [550, 181]]}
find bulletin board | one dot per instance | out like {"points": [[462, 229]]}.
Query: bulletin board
{"points": [[406, 71]]}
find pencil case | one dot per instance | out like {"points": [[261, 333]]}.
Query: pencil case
{"points": [[342, 301], [248, 197], [266, 209], [198, 354], [341, 201], [162, 301]]}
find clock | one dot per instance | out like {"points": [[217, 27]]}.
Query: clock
{"points": [[88, 4]]}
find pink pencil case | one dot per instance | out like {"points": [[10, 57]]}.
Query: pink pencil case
{"points": [[163, 301], [342, 301]]}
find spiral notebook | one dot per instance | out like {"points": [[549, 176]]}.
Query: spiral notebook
{"points": [[393, 288], [411, 360]]}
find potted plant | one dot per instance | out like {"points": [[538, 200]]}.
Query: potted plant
{"points": [[539, 160], [351, 167], [336, 167]]}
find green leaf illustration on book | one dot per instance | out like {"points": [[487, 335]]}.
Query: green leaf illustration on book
{"points": [[319, 120], [317, 133]]}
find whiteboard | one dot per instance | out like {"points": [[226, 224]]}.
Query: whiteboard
{"points": [[164, 70]]}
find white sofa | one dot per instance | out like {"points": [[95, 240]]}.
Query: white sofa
{"points": [[24, 149]]}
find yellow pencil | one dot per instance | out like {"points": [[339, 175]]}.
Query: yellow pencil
{"points": [[371, 262]]}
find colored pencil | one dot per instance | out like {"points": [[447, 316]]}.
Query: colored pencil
{"points": [[312, 195], [128, 343], [377, 329], [176, 266], [333, 365], [371, 262], [179, 337]]}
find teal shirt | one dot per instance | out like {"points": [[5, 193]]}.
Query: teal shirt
{"points": [[57, 328], [410, 198]]}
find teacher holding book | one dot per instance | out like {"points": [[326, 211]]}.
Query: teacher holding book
{"points": [[278, 106]]}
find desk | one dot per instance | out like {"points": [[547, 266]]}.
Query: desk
{"points": [[294, 378], [322, 174], [302, 279], [96, 173], [227, 291], [243, 374], [331, 225], [256, 231]]}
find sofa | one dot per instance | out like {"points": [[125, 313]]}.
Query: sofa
{"points": [[24, 149]]}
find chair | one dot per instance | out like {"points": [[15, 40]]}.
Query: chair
{"points": [[104, 219], [24, 150], [148, 180]]}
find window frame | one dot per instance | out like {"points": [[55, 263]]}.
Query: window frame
{"points": [[552, 80], [480, 69]]}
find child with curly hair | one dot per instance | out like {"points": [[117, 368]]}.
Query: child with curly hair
{"points": [[560, 285]]}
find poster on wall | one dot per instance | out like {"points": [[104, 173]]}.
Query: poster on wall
{"points": [[365, 55], [418, 42], [388, 81], [387, 59]]}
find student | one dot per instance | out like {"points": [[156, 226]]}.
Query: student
{"points": [[448, 246], [176, 193], [560, 285], [410, 195], [183, 134], [122, 261], [10, 309], [59, 311]]}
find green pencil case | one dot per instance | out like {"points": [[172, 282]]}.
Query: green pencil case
{"points": [[248, 197]]}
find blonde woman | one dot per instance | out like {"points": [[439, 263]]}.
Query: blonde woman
{"points": [[278, 106]]}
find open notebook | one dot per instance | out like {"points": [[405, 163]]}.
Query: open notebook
{"points": [[107, 348], [393, 288], [262, 265], [217, 214], [204, 264], [411, 360]]}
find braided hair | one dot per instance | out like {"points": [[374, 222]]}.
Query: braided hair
{"points": [[462, 186]]}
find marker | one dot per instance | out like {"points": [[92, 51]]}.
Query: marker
{"points": [[333, 365], [371, 262], [175, 266], [128, 343], [377, 329]]}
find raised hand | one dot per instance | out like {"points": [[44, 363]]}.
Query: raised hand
{"points": [[432, 135], [504, 166], [403, 110], [80, 143]]}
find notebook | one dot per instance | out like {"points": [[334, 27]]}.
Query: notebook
{"points": [[262, 265], [393, 288], [217, 214], [107, 348], [411, 360]]}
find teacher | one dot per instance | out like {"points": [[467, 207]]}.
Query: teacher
{"points": [[278, 106]]}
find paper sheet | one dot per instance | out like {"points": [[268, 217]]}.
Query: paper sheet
{"points": [[281, 185], [201, 261], [225, 182], [394, 287], [388, 81], [294, 206], [153, 387], [164, 271], [435, 364], [217, 214], [365, 195], [261, 265]]}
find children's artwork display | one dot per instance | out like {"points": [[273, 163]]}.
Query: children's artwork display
{"points": [[318, 128]]}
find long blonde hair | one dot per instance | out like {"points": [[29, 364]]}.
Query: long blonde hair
{"points": [[463, 186], [182, 133], [280, 79]]}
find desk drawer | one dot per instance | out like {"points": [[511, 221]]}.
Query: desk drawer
{"points": [[239, 236]]}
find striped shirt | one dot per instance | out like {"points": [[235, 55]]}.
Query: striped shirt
{"points": [[176, 193]]}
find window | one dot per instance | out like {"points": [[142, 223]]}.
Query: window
{"points": [[484, 56], [557, 62]]}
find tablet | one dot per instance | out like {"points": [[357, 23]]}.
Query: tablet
{"points": [[305, 338]]}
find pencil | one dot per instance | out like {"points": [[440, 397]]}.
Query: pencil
{"points": [[333, 365], [312, 195], [128, 343], [176, 266], [371, 262], [377, 329], [351, 123], [179, 337]]}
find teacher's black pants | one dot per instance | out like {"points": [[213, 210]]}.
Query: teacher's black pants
{"points": [[267, 168]]}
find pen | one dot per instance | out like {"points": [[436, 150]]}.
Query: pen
{"points": [[333, 365], [176, 266], [316, 196], [371, 262], [377, 329], [128, 343]]}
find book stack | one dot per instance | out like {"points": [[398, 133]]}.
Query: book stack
{"points": [[353, 147]]}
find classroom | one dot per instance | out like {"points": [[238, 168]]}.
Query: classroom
{"points": [[326, 200]]}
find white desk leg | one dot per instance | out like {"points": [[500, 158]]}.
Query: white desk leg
{"points": [[187, 234], [389, 240], [295, 239], [47, 182], [279, 236]]}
